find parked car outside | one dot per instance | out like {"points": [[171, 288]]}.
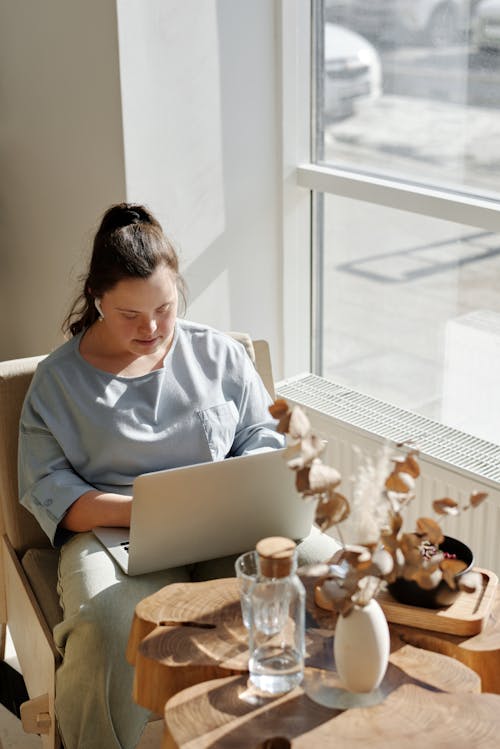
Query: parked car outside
{"points": [[353, 72], [486, 27], [433, 22]]}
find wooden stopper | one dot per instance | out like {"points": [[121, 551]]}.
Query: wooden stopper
{"points": [[276, 556]]}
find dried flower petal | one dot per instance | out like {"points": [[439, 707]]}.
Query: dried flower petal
{"points": [[284, 423], [332, 591], [476, 498], [333, 596], [390, 542], [321, 478], [396, 500], [320, 569], [302, 480], [410, 571], [400, 482], [383, 562], [396, 523], [445, 506], [332, 510], [429, 528], [407, 464], [399, 558], [279, 408], [454, 566], [470, 582], [410, 546], [428, 579], [304, 452], [450, 568], [368, 587], [299, 425], [358, 557]]}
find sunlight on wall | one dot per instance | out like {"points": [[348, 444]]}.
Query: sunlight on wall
{"points": [[215, 297], [169, 67]]}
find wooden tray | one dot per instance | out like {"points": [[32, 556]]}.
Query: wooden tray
{"points": [[467, 616]]}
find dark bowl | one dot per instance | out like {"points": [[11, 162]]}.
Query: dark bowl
{"points": [[409, 592]]}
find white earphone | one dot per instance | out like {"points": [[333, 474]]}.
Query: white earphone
{"points": [[97, 303]]}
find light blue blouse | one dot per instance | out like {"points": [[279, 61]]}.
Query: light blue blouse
{"points": [[82, 428]]}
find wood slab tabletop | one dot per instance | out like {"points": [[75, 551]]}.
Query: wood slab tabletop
{"points": [[221, 714], [189, 633]]}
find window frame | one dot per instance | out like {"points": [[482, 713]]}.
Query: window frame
{"points": [[295, 73]]}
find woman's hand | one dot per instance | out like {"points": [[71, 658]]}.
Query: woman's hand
{"points": [[96, 508]]}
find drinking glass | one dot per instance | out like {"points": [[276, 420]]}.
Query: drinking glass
{"points": [[246, 571]]}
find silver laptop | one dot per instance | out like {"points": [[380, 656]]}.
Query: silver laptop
{"points": [[209, 510]]}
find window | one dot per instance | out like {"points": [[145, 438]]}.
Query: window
{"points": [[404, 174]]}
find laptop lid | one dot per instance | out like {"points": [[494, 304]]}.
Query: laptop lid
{"points": [[209, 510]]}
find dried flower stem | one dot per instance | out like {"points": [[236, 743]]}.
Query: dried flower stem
{"points": [[382, 489]]}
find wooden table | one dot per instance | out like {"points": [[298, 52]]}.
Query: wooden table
{"points": [[213, 714], [189, 648]]}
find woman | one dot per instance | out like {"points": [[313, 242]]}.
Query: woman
{"points": [[135, 389]]}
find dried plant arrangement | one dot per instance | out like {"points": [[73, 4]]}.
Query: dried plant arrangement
{"points": [[375, 549]]}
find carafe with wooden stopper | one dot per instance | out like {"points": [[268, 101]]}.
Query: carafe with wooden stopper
{"points": [[277, 605]]}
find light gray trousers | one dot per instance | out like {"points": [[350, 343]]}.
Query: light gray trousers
{"points": [[94, 705]]}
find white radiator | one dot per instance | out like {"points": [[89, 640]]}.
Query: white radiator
{"points": [[452, 463]]}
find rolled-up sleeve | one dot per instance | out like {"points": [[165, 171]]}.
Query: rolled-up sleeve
{"points": [[256, 428], [48, 485]]}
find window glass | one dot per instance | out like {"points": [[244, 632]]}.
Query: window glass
{"points": [[410, 88], [410, 312], [407, 306]]}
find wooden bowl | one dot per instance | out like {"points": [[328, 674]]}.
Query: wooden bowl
{"points": [[409, 592]]}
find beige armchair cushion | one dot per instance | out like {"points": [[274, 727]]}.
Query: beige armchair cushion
{"points": [[19, 524], [246, 341], [40, 566], [41, 560]]}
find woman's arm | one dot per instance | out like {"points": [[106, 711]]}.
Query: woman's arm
{"points": [[256, 428], [96, 508], [57, 496]]}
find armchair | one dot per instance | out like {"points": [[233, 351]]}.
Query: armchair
{"points": [[29, 603]]}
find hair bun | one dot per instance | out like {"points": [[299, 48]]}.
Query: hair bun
{"points": [[124, 214], [133, 215]]}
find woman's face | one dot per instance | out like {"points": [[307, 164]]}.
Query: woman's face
{"points": [[140, 313]]}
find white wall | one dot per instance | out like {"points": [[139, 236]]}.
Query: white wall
{"points": [[196, 85], [61, 157], [200, 110]]}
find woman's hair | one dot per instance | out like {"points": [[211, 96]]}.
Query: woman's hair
{"points": [[129, 243]]}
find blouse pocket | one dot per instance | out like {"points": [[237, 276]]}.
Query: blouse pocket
{"points": [[219, 425]]}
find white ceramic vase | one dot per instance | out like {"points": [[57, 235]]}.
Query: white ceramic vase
{"points": [[361, 647]]}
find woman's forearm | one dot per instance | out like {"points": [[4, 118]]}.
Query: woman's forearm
{"points": [[96, 508]]}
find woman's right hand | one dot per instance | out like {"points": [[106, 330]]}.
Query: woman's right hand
{"points": [[96, 508]]}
